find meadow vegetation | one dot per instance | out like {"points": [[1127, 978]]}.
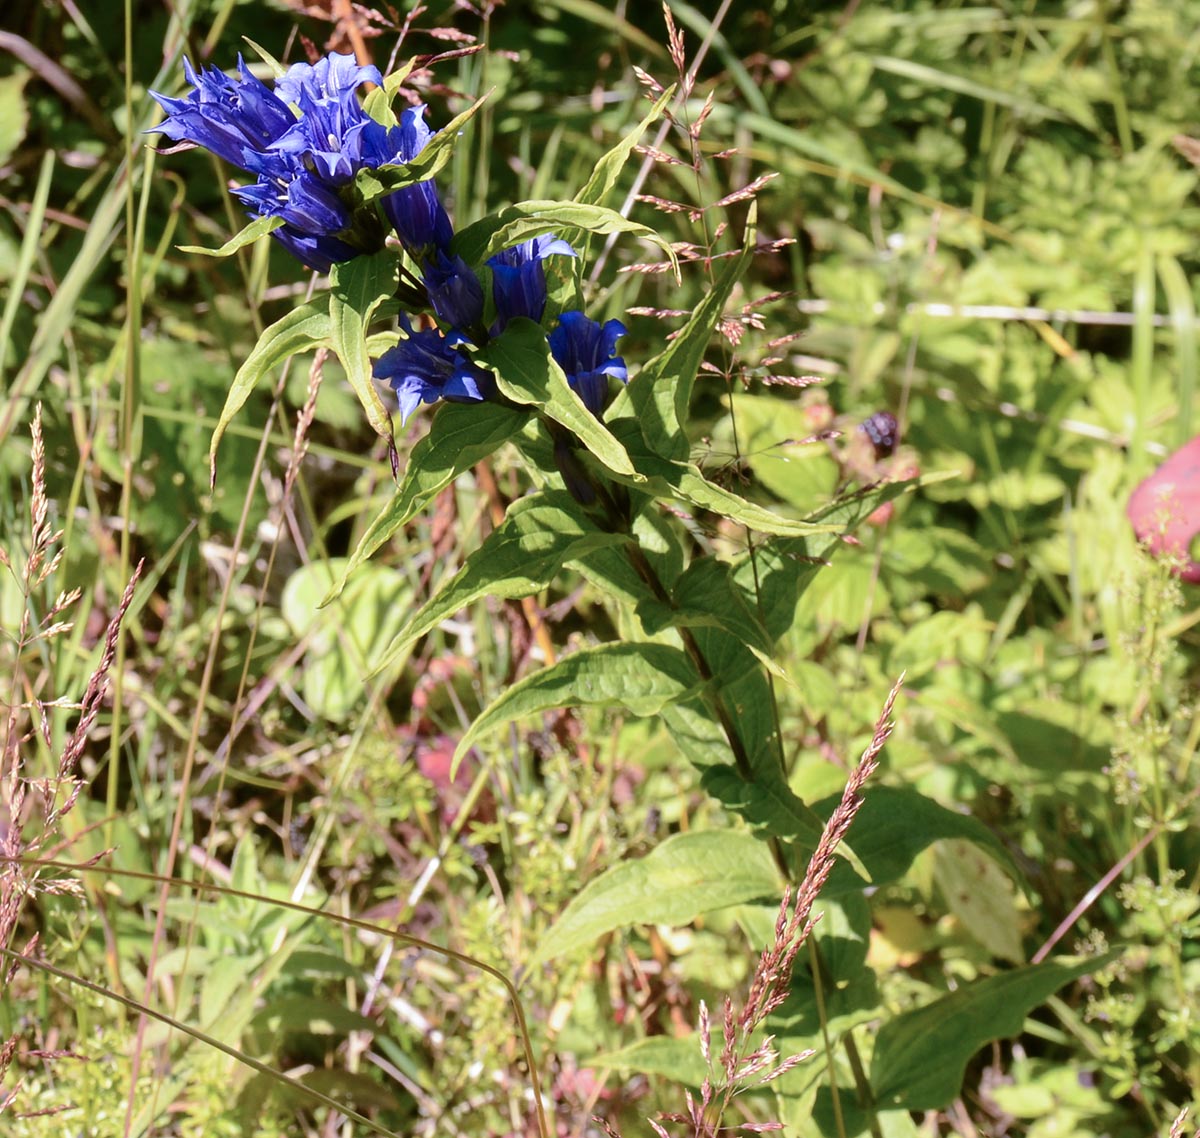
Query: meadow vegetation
{"points": [[322, 815]]}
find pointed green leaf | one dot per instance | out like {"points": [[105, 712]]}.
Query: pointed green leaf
{"points": [[919, 1056], [689, 874], [671, 478], [894, 824], [679, 1060], [305, 327], [259, 227], [520, 222], [661, 393], [604, 175], [356, 289], [642, 678], [527, 373], [521, 556], [461, 435]]}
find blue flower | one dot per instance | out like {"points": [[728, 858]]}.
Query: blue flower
{"points": [[305, 140], [230, 117], [427, 366], [454, 291], [415, 212], [519, 281], [584, 350]]}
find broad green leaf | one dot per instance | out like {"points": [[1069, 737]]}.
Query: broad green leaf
{"points": [[378, 104], [310, 1015], [676, 1059], [259, 227], [380, 181], [356, 290], [605, 173], [687, 875], [518, 558], [346, 641], [304, 328], [661, 393], [894, 824], [461, 435], [767, 804], [520, 222], [981, 896], [706, 597], [527, 374], [642, 678], [919, 1056], [14, 114]]}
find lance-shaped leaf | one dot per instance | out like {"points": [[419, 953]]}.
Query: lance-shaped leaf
{"points": [[520, 222], [893, 825], [380, 181], [527, 374], [687, 875], [259, 227], [642, 678], [660, 394], [518, 558], [357, 288], [461, 435], [919, 1056], [305, 327], [683, 481], [605, 173], [705, 596]]}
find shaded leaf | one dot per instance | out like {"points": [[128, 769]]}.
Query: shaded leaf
{"points": [[687, 875], [605, 173], [920, 1056], [305, 327], [642, 678]]}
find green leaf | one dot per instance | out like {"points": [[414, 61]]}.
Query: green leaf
{"points": [[522, 555], [380, 181], [259, 227], [605, 172], [346, 641], [305, 327], [676, 1059], [981, 896], [461, 435], [520, 222], [527, 374], [642, 678], [660, 394], [894, 824], [920, 1056], [687, 875], [705, 596], [356, 290], [670, 478], [14, 114], [310, 1015]]}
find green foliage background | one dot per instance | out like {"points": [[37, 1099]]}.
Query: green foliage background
{"points": [[992, 233]]}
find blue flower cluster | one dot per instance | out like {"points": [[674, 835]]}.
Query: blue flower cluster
{"points": [[305, 140]]}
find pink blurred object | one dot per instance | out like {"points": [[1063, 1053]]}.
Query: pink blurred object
{"points": [[1165, 508]]}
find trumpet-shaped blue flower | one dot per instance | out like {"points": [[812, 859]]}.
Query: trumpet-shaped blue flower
{"points": [[454, 290], [427, 366], [305, 140], [519, 281], [584, 350]]}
